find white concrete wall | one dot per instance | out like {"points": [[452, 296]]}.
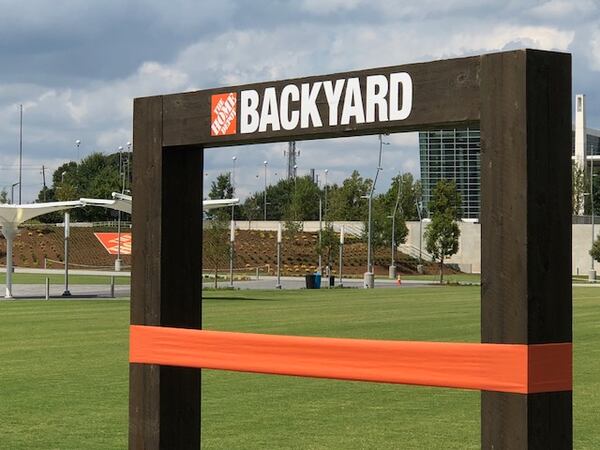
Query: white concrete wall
{"points": [[469, 253], [350, 227], [469, 248], [468, 257]]}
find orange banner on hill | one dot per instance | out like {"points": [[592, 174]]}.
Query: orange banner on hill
{"points": [[110, 241]]}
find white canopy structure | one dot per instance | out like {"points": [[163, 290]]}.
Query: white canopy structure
{"points": [[122, 202], [11, 216]]}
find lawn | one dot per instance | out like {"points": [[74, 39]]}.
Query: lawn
{"points": [[63, 378], [38, 278]]}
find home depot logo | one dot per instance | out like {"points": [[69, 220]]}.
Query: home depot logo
{"points": [[223, 118]]}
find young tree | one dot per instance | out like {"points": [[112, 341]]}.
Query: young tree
{"points": [[216, 245], [441, 236], [441, 239], [329, 244], [595, 250]]}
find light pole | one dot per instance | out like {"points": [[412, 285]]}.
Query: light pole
{"points": [[129, 145], [279, 239], [122, 176], [265, 196], [231, 251], [67, 293], [419, 212], [12, 192], [77, 144], [320, 232], [369, 277], [20, 155], [232, 181], [341, 264], [392, 268], [326, 172], [592, 274]]}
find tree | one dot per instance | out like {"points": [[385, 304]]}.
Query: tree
{"points": [[304, 200], [441, 239], [216, 245], [96, 176], [221, 188], [381, 224], [345, 202], [595, 250], [3, 196], [441, 236], [410, 191], [445, 199], [328, 245]]}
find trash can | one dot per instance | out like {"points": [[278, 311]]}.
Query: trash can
{"points": [[317, 280], [331, 281], [310, 281]]}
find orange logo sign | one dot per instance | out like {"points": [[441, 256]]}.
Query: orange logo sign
{"points": [[223, 118], [110, 241]]}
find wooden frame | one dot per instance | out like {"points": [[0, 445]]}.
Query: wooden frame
{"points": [[522, 102]]}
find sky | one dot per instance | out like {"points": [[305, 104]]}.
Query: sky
{"points": [[76, 66]]}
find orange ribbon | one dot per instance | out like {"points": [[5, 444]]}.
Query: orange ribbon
{"points": [[513, 368]]}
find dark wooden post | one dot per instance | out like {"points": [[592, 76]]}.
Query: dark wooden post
{"points": [[166, 279], [526, 234]]}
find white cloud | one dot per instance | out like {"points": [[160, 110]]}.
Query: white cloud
{"points": [[561, 9], [595, 50], [298, 39]]}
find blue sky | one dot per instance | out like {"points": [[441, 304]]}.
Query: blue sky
{"points": [[76, 66]]}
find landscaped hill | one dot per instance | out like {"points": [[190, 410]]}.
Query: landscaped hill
{"points": [[252, 249]]}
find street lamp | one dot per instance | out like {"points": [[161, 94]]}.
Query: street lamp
{"points": [[369, 277], [326, 172], [77, 144], [12, 192], [420, 212], [265, 196], [67, 224], [392, 268], [121, 174], [592, 274], [232, 182]]}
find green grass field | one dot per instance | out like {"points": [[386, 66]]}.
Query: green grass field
{"points": [[36, 278], [63, 377]]}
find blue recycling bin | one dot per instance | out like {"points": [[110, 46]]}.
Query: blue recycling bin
{"points": [[318, 280]]}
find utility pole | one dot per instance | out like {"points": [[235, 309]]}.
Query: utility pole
{"points": [[44, 181], [292, 153]]}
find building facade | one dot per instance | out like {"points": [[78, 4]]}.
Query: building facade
{"points": [[452, 154]]}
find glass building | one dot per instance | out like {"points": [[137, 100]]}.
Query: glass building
{"points": [[452, 154]]}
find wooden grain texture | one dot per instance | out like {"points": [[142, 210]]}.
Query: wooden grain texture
{"points": [[526, 233], [166, 279], [445, 92], [144, 380]]}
